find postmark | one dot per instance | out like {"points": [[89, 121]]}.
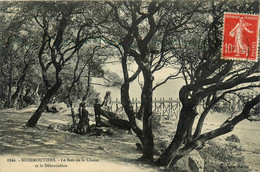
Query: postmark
{"points": [[240, 37]]}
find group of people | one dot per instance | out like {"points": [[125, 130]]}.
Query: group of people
{"points": [[83, 126]]}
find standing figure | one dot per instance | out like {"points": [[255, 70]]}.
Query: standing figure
{"points": [[83, 125], [98, 112], [80, 110], [240, 38], [108, 101]]}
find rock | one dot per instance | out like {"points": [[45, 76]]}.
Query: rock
{"points": [[102, 148], [181, 165], [120, 123], [161, 146], [190, 163], [99, 131], [257, 151], [57, 127], [196, 163], [233, 138], [51, 109], [110, 132], [51, 126], [56, 107]]}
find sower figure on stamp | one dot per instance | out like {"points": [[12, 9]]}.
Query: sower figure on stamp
{"points": [[98, 111], [83, 125], [241, 44]]}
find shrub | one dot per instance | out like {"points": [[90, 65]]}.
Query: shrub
{"points": [[223, 157]]}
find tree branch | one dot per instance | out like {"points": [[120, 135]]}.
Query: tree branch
{"points": [[168, 78]]}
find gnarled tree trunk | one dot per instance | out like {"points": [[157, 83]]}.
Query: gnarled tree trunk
{"points": [[201, 122], [37, 114], [147, 101], [180, 135], [19, 86], [223, 129], [126, 101]]}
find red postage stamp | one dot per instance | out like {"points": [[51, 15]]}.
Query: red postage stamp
{"points": [[240, 36]]}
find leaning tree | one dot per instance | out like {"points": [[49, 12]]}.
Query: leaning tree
{"points": [[64, 27], [208, 78]]}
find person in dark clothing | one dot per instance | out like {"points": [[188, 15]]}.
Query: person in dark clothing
{"points": [[83, 125], [98, 112], [80, 110]]}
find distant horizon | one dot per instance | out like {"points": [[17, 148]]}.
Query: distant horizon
{"points": [[166, 91]]}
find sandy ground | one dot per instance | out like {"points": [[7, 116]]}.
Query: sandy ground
{"points": [[95, 153], [117, 153]]}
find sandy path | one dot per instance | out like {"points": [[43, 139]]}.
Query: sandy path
{"points": [[110, 154], [120, 151]]}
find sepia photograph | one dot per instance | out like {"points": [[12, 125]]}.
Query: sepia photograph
{"points": [[129, 86]]}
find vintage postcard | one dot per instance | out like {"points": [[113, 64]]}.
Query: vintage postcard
{"points": [[129, 86]]}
